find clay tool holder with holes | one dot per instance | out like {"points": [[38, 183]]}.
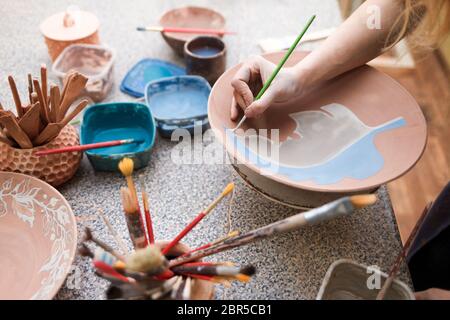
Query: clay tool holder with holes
{"points": [[46, 112]]}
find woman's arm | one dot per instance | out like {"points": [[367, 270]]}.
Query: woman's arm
{"points": [[352, 45]]}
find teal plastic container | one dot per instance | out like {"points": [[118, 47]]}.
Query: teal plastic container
{"points": [[117, 121]]}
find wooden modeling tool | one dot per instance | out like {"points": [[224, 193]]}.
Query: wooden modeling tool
{"points": [[31, 121], [186, 30], [340, 207], [279, 66], [9, 122], [229, 188], [41, 98], [402, 255], [44, 85], [85, 147], [15, 95], [113, 232], [73, 89], [30, 87], [148, 219], [53, 129], [55, 100]]}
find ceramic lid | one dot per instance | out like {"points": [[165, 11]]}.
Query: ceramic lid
{"points": [[354, 133], [70, 25]]}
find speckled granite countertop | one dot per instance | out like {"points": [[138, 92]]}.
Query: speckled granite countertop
{"points": [[289, 267]]}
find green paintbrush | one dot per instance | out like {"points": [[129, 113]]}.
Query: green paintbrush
{"points": [[279, 66]]}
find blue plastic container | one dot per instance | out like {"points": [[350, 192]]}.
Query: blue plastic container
{"points": [[179, 103], [145, 71], [116, 121]]}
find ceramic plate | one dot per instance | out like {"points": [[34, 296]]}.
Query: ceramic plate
{"points": [[145, 71], [353, 133], [37, 238]]}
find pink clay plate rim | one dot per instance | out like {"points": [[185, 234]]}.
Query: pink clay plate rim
{"points": [[38, 237]]}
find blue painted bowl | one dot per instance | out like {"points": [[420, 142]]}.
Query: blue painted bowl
{"points": [[145, 71], [179, 103], [116, 121]]}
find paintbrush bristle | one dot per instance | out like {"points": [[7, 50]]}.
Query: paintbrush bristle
{"points": [[248, 270], [84, 251], [228, 189], [148, 260], [126, 166], [129, 206], [362, 201]]}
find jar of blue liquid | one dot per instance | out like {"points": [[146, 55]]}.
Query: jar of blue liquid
{"points": [[206, 57]]}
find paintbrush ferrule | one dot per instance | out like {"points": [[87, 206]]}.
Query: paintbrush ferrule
{"points": [[340, 207]]}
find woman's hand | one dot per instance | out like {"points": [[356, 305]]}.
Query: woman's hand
{"points": [[249, 80], [433, 294]]}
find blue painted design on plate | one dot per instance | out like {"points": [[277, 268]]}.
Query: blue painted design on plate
{"points": [[359, 161], [145, 71]]}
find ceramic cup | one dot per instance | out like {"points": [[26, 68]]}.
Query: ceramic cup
{"points": [[205, 56]]}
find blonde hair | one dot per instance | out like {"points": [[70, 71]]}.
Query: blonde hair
{"points": [[426, 22]]}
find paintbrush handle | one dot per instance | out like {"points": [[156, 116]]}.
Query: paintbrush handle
{"points": [[285, 58], [148, 222], [84, 147], [187, 30], [402, 255], [279, 66], [183, 233]]}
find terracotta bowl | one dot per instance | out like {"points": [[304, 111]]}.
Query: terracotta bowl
{"points": [[188, 17], [38, 236], [53, 169], [350, 135]]}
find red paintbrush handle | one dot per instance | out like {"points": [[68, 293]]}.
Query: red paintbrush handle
{"points": [[196, 30], [205, 246], [100, 265], [83, 147], [148, 221], [183, 233]]}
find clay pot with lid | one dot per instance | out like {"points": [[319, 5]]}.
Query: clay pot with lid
{"points": [[69, 27]]}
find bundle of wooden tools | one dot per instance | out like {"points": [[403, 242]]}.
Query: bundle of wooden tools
{"points": [[41, 119]]}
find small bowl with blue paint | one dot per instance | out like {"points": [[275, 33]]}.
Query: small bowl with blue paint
{"points": [[117, 121], [205, 56], [145, 71], [179, 103]]}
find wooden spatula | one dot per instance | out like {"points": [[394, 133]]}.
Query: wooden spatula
{"points": [[44, 110], [31, 121], [16, 96], [55, 100], [53, 129], [75, 85], [10, 123]]}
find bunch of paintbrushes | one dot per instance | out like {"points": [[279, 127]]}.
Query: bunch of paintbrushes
{"points": [[150, 272], [45, 114]]}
